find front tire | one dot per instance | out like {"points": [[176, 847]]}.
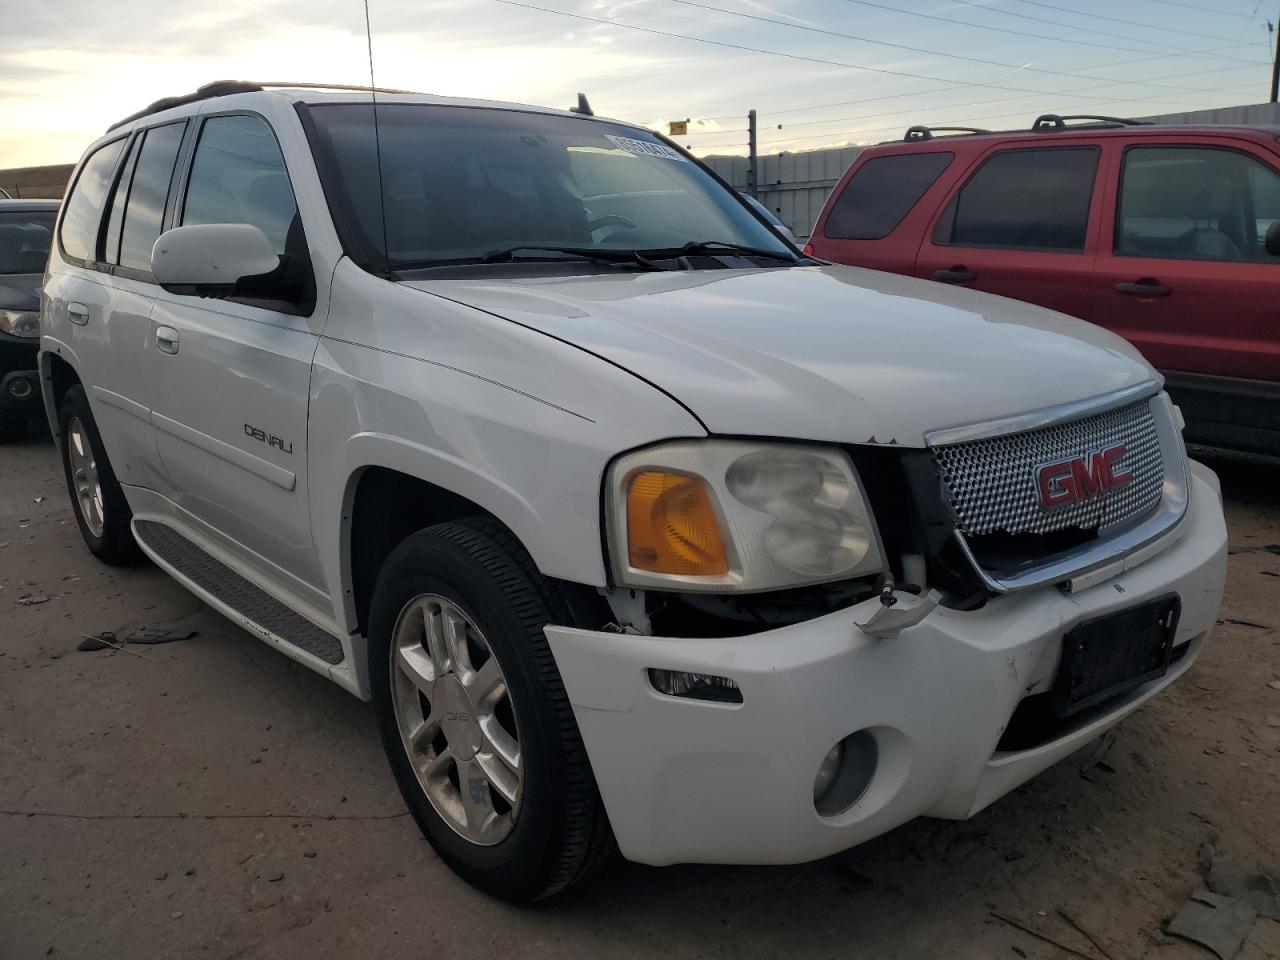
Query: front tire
{"points": [[473, 714], [101, 510]]}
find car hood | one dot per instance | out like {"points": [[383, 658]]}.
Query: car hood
{"points": [[20, 291], [821, 353]]}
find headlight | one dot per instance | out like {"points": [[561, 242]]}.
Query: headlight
{"points": [[20, 323], [726, 515]]}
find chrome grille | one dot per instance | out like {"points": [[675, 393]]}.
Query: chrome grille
{"points": [[992, 482]]}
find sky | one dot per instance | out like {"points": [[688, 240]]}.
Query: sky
{"points": [[819, 72]]}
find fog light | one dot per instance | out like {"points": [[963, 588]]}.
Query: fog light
{"points": [[19, 388], [827, 771], [845, 773], [695, 686]]}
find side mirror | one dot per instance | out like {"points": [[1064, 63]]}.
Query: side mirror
{"points": [[210, 259], [1272, 241]]}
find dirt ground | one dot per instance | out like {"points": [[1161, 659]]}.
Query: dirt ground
{"points": [[217, 800]]}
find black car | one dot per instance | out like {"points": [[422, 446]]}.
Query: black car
{"points": [[26, 231]]}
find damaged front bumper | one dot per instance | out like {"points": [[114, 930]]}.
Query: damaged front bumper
{"points": [[688, 780]]}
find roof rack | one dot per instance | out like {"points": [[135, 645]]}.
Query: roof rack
{"points": [[219, 88], [225, 88], [1052, 122], [922, 132]]}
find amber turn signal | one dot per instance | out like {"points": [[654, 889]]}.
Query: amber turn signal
{"points": [[672, 527]]}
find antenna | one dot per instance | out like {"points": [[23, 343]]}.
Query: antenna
{"points": [[583, 107], [377, 144]]}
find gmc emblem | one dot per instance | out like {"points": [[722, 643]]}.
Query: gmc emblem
{"points": [[1081, 478]]}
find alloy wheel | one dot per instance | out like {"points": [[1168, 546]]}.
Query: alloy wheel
{"points": [[84, 475], [455, 717]]}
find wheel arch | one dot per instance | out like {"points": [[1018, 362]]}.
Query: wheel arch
{"points": [[57, 375], [394, 487]]}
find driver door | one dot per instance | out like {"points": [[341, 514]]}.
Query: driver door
{"points": [[233, 374]]}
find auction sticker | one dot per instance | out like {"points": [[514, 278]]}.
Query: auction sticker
{"points": [[644, 148]]}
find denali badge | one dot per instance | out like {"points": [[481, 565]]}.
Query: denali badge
{"points": [[1081, 478]]}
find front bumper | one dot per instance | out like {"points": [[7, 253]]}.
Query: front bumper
{"points": [[693, 781]]}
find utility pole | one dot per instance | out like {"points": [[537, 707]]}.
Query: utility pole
{"points": [[1275, 63], [753, 178]]}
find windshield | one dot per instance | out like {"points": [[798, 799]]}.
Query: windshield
{"points": [[25, 237], [463, 183]]}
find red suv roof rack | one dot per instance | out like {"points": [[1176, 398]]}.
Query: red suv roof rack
{"points": [[1052, 122], [921, 132]]}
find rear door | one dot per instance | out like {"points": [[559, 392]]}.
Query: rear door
{"points": [[1184, 275], [126, 386], [880, 211], [1021, 225], [105, 327], [233, 373]]}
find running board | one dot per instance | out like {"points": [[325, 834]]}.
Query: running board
{"points": [[260, 612]]}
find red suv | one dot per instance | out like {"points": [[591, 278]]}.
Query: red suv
{"points": [[1159, 233]]}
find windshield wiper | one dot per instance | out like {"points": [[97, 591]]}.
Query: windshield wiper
{"points": [[623, 257], [724, 246]]}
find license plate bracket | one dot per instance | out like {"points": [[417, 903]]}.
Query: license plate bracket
{"points": [[1109, 655]]}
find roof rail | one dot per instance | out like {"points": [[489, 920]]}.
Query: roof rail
{"points": [[356, 87], [219, 88], [224, 88], [1052, 122], [922, 132]]}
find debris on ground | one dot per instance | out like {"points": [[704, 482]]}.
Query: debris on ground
{"points": [[1097, 757], [1041, 936], [1219, 923], [147, 636], [30, 600], [1259, 890], [1241, 622]]}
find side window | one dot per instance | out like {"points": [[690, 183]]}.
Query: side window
{"points": [[148, 191], [238, 176], [1032, 199], [83, 214], [881, 193], [111, 247], [1195, 203]]}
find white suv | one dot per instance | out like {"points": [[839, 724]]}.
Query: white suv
{"points": [[748, 562]]}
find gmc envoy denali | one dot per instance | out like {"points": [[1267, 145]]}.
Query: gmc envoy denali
{"points": [[637, 526]]}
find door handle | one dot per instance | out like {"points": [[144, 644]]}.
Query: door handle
{"points": [[957, 274], [1146, 287], [78, 314], [167, 339]]}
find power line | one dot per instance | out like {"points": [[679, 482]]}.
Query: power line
{"points": [[807, 59], [889, 113], [922, 93], [898, 126], [1192, 6], [1146, 25], [1016, 33], [903, 46]]}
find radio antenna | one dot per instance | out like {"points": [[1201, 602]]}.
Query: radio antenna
{"points": [[377, 144]]}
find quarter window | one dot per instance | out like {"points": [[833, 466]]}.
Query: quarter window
{"points": [[881, 193], [1033, 199], [83, 215], [1195, 203], [147, 194], [238, 176]]}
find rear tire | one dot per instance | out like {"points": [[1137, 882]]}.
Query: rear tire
{"points": [[101, 510], [473, 575]]}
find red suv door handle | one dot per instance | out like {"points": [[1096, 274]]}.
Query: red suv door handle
{"points": [[1146, 287], [957, 274]]}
